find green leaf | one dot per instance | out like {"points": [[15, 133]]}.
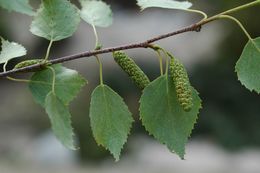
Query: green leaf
{"points": [[163, 116], [55, 20], [110, 119], [21, 6], [67, 86], [248, 66], [10, 50], [60, 120], [96, 13], [170, 4]]}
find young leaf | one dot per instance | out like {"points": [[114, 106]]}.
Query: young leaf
{"points": [[55, 20], [10, 50], [96, 13], [110, 119], [163, 116], [60, 120], [21, 6], [170, 4], [67, 86], [248, 66]]}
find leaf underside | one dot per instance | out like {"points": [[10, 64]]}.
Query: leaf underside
{"points": [[169, 4], [10, 50], [21, 6], [96, 13], [55, 20]]}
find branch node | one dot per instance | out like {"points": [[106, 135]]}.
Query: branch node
{"points": [[197, 28], [145, 44]]}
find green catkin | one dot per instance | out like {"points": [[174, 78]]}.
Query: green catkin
{"points": [[131, 68], [27, 63], [182, 84], [30, 62]]}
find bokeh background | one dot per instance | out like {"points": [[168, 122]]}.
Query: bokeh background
{"points": [[226, 138]]}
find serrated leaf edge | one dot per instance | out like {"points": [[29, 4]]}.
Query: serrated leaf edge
{"points": [[75, 96], [70, 122], [236, 69], [42, 7], [11, 42], [127, 135], [158, 139]]}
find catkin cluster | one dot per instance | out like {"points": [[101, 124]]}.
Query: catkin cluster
{"points": [[131, 68], [182, 84]]}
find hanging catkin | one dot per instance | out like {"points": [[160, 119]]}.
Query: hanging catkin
{"points": [[131, 68], [182, 84]]}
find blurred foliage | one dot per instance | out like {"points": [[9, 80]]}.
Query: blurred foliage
{"points": [[231, 113]]}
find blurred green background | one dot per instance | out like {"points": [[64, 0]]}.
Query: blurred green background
{"points": [[230, 116]]}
